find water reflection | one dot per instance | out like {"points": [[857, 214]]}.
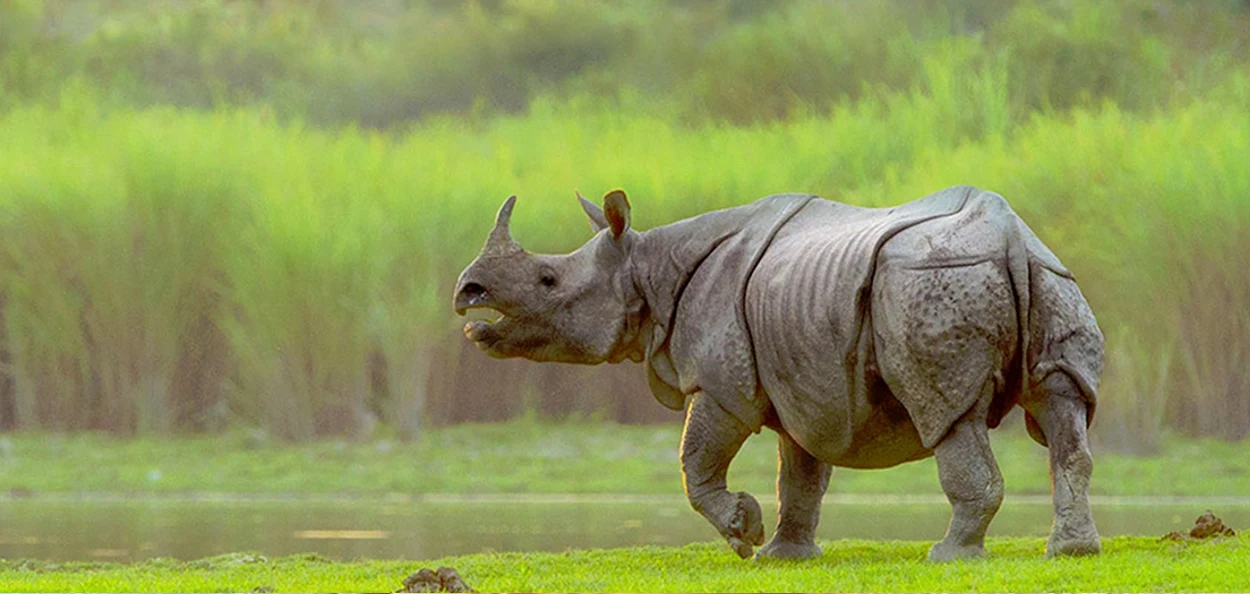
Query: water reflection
{"points": [[62, 530]]}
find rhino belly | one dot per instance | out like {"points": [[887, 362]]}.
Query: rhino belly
{"points": [[860, 425], [882, 432]]}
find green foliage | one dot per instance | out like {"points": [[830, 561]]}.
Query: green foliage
{"points": [[387, 64], [1068, 58], [1128, 564], [546, 458]]}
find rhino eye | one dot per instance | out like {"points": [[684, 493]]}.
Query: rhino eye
{"points": [[547, 280]]}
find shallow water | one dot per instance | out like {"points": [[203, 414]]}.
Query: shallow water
{"points": [[125, 530]]}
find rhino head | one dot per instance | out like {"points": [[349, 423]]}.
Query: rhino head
{"points": [[580, 307]]}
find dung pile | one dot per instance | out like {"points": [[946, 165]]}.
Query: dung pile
{"points": [[445, 579], [1206, 526]]}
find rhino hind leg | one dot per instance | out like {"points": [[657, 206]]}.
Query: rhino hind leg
{"points": [[943, 335], [1059, 408], [973, 485], [801, 483], [710, 440]]}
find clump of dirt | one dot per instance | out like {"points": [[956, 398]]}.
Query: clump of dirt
{"points": [[1206, 526], [445, 579]]}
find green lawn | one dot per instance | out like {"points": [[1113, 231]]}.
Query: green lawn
{"points": [[586, 457], [1128, 564], [537, 457]]}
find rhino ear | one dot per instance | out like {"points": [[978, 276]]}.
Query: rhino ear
{"points": [[597, 219], [616, 210]]}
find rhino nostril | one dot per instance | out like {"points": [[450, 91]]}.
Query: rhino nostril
{"points": [[473, 292]]}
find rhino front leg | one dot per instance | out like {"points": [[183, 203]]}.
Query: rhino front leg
{"points": [[801, 484], [709, 442], [973, 485], [1061, 414]]}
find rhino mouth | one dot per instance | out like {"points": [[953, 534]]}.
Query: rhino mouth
{"points": [[482, 317], [487, 326]]}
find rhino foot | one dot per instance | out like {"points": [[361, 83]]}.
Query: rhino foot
{"points": [[945, 551], [746, 528], [784, 549], [1074, 535], [1073, 547]]}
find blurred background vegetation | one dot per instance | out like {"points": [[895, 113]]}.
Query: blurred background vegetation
{"points": [[230, 213]]}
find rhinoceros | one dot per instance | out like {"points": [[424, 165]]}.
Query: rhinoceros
{"points": [[864, 337]]}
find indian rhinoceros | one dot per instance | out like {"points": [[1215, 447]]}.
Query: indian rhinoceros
{"points": [[864, 337]]}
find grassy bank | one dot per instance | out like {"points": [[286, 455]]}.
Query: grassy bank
{"points": [[529, 457], [1128, 564]]}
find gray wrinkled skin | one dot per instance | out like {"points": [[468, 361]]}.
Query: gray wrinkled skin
{"points": [[864, 338]]}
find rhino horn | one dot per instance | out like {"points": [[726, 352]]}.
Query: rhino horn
{"points": [[500, 242]]}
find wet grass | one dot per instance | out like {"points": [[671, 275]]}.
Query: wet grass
{"points": [[530, 456], [1128, 564]]}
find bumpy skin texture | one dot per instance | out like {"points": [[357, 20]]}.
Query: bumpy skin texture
{"points": [[864, 337]]}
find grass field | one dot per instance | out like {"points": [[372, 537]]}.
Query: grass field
{"points": [[1128, 564], [536, 457]]}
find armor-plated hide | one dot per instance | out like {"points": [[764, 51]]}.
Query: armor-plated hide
{"points": [[863, 337], [771, 304]]}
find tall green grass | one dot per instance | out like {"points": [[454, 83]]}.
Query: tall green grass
{"points": [[172, 270], [132, 239]]}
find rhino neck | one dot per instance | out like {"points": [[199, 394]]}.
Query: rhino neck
{"points": [[666, 264], [665, 258], [662, 262]]}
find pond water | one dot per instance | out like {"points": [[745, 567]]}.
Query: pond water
{"points": [[126, 530]]}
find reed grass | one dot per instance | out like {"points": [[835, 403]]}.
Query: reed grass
{"points": [[322, 260], [224, 213]]}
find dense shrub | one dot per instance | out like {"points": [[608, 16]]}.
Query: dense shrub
{"points": [[388, 64]]}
